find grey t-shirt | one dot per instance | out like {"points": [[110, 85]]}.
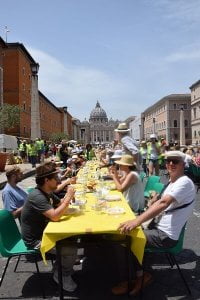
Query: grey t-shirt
{"points": [[33, 222]]}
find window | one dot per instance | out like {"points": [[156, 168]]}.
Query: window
{"points": [[23, 86], [175, 123], [24, 106], [186, 123], [195, 133], [23, 71], [24, 129], [183, 105], [174, 105]]}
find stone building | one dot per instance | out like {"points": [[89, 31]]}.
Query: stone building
{"points": [[135, 128], [163, 118], [98, 130], [195, 112]]}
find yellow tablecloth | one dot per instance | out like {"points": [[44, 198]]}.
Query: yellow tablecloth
{"points": [[90, 221]]}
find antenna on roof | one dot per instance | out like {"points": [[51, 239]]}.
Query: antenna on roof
{"points": [[6, 32]]}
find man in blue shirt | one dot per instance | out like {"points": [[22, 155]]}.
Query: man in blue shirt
{"points": [[13, 196]]}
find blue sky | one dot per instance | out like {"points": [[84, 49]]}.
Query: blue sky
{"points": [[125, 53]]}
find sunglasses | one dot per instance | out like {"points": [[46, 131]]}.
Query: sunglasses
{"points": [[173, 160]]}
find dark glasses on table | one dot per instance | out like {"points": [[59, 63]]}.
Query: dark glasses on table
{"points": [[173, 160]]}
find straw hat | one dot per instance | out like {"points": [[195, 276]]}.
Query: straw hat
{"points": [[126, 160], [122, 127]]}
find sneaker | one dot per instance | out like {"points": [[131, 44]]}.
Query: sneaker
{"points": [[147, 279], [122, 288], [68, 284]]}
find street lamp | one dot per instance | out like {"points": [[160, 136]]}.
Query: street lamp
{"points": [[154, 128], [35, 68]]}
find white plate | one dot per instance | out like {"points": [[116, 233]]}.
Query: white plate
{"points": [[116, 210], [113, 198]]}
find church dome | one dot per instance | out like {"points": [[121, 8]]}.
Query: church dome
{"points": [[98, 112]]}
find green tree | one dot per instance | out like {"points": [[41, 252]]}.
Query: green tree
{"points": [[9, 116], [57, 137]]}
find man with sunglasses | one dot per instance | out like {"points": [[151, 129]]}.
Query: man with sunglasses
{"points": [[43, 206], [169, 213]]}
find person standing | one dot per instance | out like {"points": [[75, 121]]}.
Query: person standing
{"points": [[153, 152], [130, 145]]}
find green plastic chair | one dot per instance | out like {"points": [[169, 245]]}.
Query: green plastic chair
{"points": [[170, 254], [30, 189], [12, 245], [158, 187], [142, 176], [150, 184]]}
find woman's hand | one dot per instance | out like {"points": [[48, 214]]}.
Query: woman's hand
{"points": [[127, 226], [112, 170]]}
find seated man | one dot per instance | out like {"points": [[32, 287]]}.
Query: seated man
{"points": [[13, 196], [172, 211], [43, 206]]}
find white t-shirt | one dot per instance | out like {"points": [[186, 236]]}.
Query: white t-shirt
{"points": [[183, 191]]}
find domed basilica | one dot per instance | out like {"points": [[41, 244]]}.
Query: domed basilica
{"points": [[98, 130]]}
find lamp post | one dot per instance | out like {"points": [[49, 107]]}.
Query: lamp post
{"points": [[182, 127], [154, 127], [35, 107], [65, 127]]}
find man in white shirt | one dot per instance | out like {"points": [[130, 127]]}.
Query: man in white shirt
{"points": [[172, 211], [130, 145]]}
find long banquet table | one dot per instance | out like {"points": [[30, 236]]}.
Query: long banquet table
{"points": [[90, 221]]}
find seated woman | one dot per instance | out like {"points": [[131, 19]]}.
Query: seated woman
{"points": [[129, 184]]}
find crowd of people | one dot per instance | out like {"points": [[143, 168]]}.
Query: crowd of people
{"points": [[125, 160]]}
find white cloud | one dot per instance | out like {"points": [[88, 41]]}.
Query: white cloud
{"points": [[184, 11], [79, 87], [183, 56]]}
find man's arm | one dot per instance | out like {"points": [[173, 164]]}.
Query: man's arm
{"points": [[150, 213], [130, 144], [55, 214], [16, 213]]}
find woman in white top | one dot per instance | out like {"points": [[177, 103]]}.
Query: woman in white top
{"points": [[129, 184]]}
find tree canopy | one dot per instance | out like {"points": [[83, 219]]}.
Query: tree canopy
{"points": [[9, 116]]}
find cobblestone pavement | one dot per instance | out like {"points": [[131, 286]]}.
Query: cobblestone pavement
{"points": [[100, 271]]}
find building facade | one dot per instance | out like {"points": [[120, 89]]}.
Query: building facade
{"points": [[135, 128], [98, 130], [195, 112], [39, 117], [163, 118]]}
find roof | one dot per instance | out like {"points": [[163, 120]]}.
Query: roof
{"points": [[46, 99], [3, 43], [171, 97], [98, 112], [22, 47], [194, 84]]}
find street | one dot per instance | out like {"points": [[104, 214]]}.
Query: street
{"points": [[99, 271]]}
